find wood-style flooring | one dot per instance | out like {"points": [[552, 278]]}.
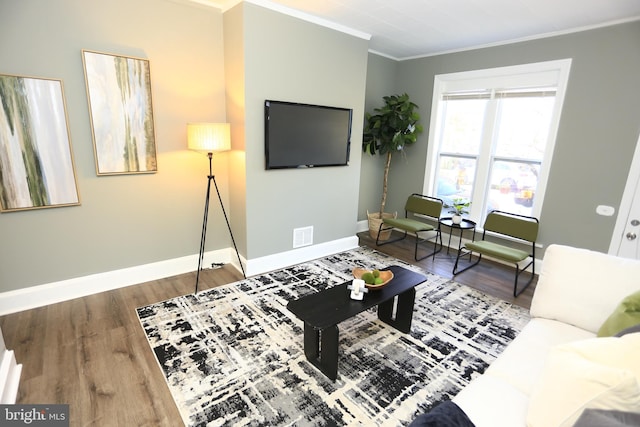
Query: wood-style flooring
{"points": [[489, 277], [92, 354]]}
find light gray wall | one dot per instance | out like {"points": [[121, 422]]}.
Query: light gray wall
{"points": [[381, 81], [234, 66], [124, 220], [131, 220], [289, 59], [597, 135]]}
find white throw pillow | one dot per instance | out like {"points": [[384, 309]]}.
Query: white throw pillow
{"points": [[598, 373]]}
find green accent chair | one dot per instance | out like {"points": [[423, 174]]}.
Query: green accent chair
{"points": [[523, 229], [418, 210]]}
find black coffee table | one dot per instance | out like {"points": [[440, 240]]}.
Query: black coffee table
{"points": [[322, 311]]}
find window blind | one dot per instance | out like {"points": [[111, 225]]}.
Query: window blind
{"points": [[500, 93]]}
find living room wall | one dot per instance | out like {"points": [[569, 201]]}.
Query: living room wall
{"points": [[598, 129], [291, 59], [381, 81], [128, 220]]}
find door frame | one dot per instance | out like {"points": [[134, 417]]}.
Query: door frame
{"points": [[630, 189]]}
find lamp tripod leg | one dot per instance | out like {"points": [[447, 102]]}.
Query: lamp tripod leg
{"points": [[204, 232], [204, 224], [229, 227]]}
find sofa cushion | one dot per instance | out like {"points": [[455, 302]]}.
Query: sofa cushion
{"points": [[626, 315], [522, 361], [575, 286], [599, 373], [492, 402]]}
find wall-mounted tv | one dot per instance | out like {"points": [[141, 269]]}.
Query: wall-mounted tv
{"points": [[304, 136]]}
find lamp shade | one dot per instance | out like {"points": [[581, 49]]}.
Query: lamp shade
{"points": [[209, 137]]}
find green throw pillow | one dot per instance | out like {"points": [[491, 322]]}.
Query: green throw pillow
{"points": [[627, 314]]}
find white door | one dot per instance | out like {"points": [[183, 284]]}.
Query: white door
{"points": [[625, 241]]}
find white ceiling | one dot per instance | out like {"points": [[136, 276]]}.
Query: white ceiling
{"points": [[404, 29]]}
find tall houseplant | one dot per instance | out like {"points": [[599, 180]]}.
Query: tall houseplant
{"points": [[385, 132]]}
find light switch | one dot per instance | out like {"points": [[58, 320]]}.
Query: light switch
{"points": [[605, 210]]}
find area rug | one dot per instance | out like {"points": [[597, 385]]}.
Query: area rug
{"points": [[234, 355]]}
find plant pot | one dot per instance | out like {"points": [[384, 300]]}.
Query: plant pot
{"points": [[374, 225], [456, 219]]}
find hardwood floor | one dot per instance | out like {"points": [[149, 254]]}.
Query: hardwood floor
{"points": [[489, 277], [92, 354]]}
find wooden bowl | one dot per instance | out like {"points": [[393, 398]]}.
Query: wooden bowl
{"points": [[386, 276]]}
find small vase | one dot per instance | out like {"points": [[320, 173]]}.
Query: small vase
{"points": [[456, 219]]}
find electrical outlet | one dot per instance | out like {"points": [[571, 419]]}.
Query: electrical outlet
{"points": [[605, 210]]}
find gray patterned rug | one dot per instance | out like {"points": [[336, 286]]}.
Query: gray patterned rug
{"points": [[234, 355]]}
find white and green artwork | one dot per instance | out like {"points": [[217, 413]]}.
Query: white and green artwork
{"points": [[36, 162], [119, 92]]}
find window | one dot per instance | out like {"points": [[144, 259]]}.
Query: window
{"points": [[492, 135]]}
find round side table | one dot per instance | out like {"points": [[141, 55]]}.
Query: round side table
{"points": [[465, 224]]}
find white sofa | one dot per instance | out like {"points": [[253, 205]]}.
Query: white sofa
{"points": [[576, 292]]}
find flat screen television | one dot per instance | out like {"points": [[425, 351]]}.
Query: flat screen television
{"points": [[304, 136]]}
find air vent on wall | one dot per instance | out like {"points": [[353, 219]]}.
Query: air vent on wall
{"points": [[302, 236]]}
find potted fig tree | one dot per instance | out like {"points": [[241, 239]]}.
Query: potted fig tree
{"points": [[386, 132]]}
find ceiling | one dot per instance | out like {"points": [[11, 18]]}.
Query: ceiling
{"points": [[403, 29]]}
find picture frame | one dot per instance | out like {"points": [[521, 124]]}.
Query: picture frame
{"points": [[37, 168], [121, 112]]}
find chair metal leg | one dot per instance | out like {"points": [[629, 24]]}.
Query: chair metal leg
{"points": [[435, 243], [417, 242], [385, 242], [435, 246], [463, 253], [519, 271]]}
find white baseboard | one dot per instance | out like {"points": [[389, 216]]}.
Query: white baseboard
{"points": [[64, 290], [10, 373], [362, 225], [296, 256], [51, 293]]}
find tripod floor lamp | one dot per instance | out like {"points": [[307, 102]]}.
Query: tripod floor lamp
{"points": [[209, 138]]}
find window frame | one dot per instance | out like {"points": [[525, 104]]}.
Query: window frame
{"points": [[540, 74]]}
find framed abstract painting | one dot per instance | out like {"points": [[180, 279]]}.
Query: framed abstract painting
{"points": [[36, 161], [119, 94]]}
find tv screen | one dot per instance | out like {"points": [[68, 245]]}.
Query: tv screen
{"points": [[303, 135]]}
